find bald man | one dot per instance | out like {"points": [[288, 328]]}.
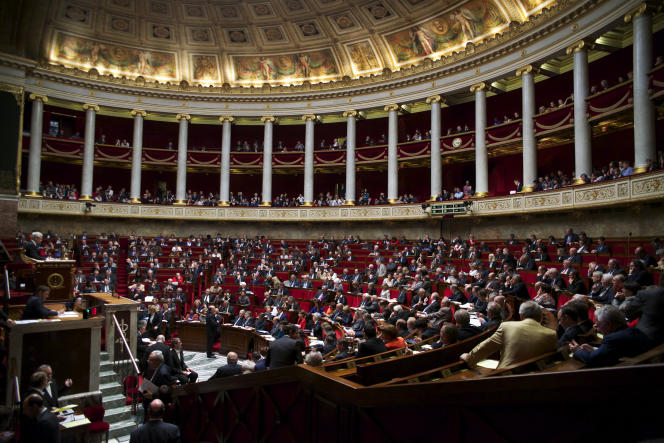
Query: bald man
{"points": [[38, 424], [230, 369], [155, 429]]}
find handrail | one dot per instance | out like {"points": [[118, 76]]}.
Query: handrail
{"points": [[124, 341]]}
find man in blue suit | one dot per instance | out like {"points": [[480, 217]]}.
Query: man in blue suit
{"points": [[619, 340]]}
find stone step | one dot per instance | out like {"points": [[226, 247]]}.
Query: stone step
{"points": [[113, 401], [108, 389], [107, 376], [116, 415], [121, 429], [103, 356], [106, 366]]}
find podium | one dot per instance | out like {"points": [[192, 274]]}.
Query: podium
{"points": [[71, 347], [58, 275]]}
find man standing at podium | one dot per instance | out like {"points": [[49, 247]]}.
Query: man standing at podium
{"points": [[32, 246], [35, 309], [211, 330]]}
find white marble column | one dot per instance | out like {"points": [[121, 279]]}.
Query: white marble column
{"points": [[350, 157], [528, 127], [436, 171], [181, 184], [268, 122], [583, 163], [137, 156], [481, 156], [644, 110], [36, 135], [392, 154], [309, 121], [225, 181], [91, 110]]}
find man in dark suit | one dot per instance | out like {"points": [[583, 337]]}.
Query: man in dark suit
{"points": [[181, 371], [518, 289], [35, 309], [494, 316], [229, 369], [159, 345], [619, 340], [156, 430], [648, 306], [52, 393], [371, 345], [466, 330], [284, 351], [159, 374], [38, 424], [508, 259], [211, 330], [32, 246]]}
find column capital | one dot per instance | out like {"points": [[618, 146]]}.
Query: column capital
{"points": [[578, 46], [92, 106], [393, 107], [138, 113], [268, 118], [183, 116], [435, 99], [478, 87], [307, 117], [637, 12], [350, 113], [39, 97], [226, 118], [524, 70]]}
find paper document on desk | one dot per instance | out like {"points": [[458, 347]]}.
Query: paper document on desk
{"points": [[64, 408], [75, 423], [148, 386], [475, 321], [26, 322], [488, 364], [69, 314]]}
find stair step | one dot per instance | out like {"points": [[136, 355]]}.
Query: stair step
{"points": [[106, 366], [103, 356], [121, 428], [115, 415], [113, 401], [107, 376], [108, 389]]}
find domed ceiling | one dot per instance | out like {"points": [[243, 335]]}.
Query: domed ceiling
{"points": [[279, 42]]}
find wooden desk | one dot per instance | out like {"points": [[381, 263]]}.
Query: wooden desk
{"points": [[72, 348], [58, 275], [239, 340], [126, 312]]}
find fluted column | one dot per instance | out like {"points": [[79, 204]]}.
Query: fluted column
{"points": [[644, 110], [181, 184], [36, 135], [309, 120], [137, 156], [528, 127], [225, 181], [582, 136], [392, 155], [481, 157], [350, 157], [91, 110], [436, 172], [268, 122]]}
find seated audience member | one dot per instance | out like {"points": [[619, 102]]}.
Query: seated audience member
{"points": [[576, 285], [516, 340], [544, 296], [286, 350], [371, 345], [570, 322], [638, 273], [648, 306], [619, 340], [493, 316], [314, 358], [176, 361], [466, 330], [391, 337], [38, 424], [156, 429], [424, 330], [604, 292], [230, 369], [449, 335]]}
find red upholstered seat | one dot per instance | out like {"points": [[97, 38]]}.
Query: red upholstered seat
{"points": [[96, 416]]}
